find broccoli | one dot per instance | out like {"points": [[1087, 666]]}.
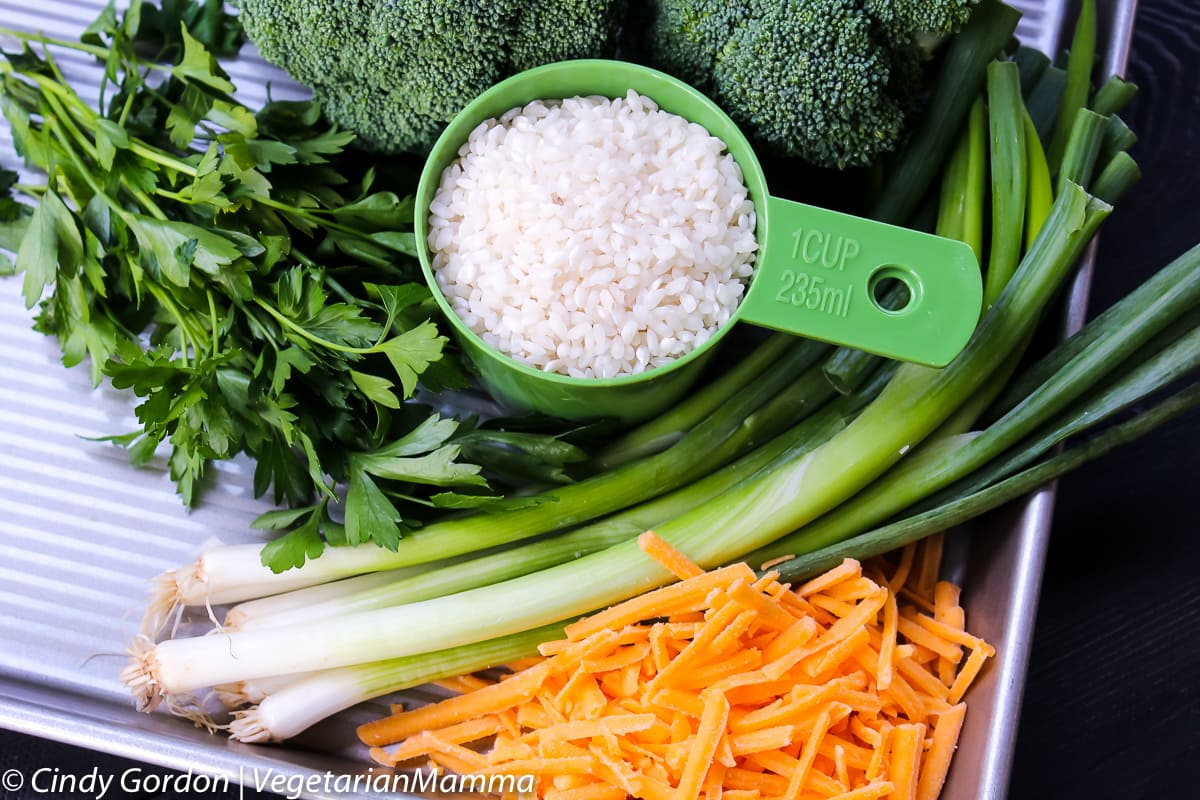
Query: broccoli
{"points": [[396, 71], [830, 81]]}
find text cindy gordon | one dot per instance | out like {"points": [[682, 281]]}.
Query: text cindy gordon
{"points": [[97, 784]]}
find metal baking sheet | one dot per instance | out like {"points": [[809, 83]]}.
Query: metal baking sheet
{"points": [[81, 531]]}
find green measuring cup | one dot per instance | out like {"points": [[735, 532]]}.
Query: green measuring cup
{"points": [[817, 273]]}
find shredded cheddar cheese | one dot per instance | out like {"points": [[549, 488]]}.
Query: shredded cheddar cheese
{"points": [[724, 685]]}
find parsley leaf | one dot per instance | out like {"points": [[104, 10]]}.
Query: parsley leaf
{"points": [[249, 278]]}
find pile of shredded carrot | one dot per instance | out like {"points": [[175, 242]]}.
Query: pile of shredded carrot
{"points": [[724, 685]]}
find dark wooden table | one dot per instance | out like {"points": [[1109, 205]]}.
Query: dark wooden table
{"points": [[1112, 705]]}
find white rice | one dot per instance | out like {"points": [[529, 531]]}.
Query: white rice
{"points": [[593, 237]]}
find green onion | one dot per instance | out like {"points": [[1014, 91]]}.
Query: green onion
{"points": [[1117, 138], [1172, 290], [457, 575], [960, 214], [780, 498], [1167, 365], [1079, 75], [1082, 150], [1045, 99], [965, 508], [232, 574], [1113, 96], [301, 702], [1006, 118], [1142, 316], [958, 84], [1040, 195], [310, 698], [955, 458], [1032, 64], [1117, 178], [667, 428]]}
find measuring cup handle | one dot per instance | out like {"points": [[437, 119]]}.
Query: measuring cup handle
{"points": [[822, 274]]}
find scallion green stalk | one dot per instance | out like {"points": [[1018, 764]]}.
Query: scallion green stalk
{"points": [[1176, 282], [235, 573], [1006, 123], [1040, 194], [960, 510], [458, 575], [970, 458], [300, 704], [1121, 173], [1079, 75], [757, 510], [668, 428], [1118, 138], [1032, 64], [1045, 100], [960, 213], [1166, 366], [958, 83], [1082, 149], [1142, 316], [1113, 96]]}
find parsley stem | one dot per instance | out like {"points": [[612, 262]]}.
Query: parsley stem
{"points": [[26, 36], [312, 337], [213, 323], [77, 108], [89, 149], [79, 47], [70, 127], [53, 125], [127, 108], [313, 215], [52, 63], [151, 207], [164, 299], [138, 147]]}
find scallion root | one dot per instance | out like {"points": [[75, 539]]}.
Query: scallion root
{"points": [[248, 726], [165, 607], [140, 676], [233, 695], [191, 583], [189, 708]]}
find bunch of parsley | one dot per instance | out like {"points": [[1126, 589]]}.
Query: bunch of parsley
{"points": [[248, 277]]}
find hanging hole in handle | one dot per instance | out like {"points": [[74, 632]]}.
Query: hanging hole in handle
{"points": [[893, 289]]}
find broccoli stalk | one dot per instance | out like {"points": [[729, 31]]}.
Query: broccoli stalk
{"points": [[396, 71]]}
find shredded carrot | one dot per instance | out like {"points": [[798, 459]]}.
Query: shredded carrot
{"points": [[702, 748], [906, 760], [478, 703], [927, 570], [848, 686], [887, 649], [470, 731], [908, 555], [774, 562], [937, 759], [679, 564], [687, 595]]}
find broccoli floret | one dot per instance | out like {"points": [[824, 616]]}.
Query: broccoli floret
{"points": [[830, 81], [908, 19], [685, 37], [396, 71]]}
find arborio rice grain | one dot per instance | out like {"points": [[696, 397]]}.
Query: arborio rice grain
{"points": [[593, 237]]}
